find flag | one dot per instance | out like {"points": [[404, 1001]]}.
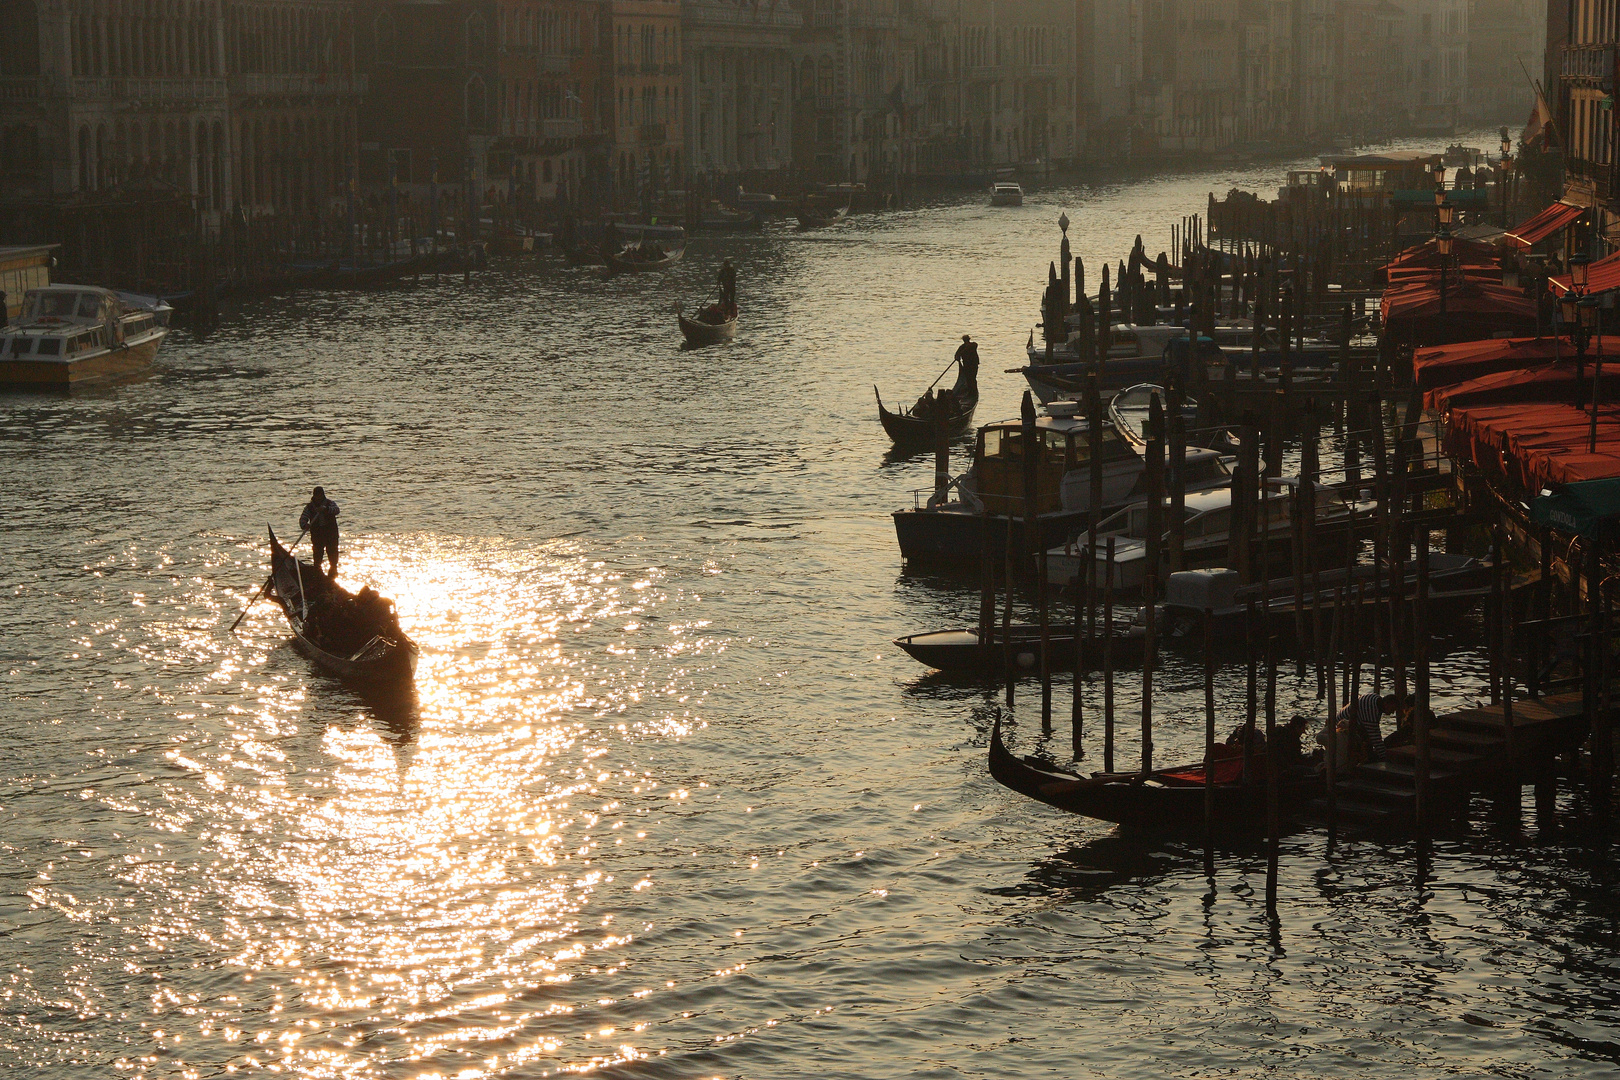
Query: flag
{"points": [[1539, 130]]}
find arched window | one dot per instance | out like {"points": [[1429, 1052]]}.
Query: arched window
{"points": [[476, 105], [824, 78], [477, 36]]}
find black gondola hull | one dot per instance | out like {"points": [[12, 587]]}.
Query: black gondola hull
{"points": [[958, 650], [379, 661], [1157, 807]]}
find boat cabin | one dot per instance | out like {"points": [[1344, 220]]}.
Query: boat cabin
{"points": [[1063, 444]]}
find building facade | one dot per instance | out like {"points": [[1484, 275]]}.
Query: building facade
{"points": [[647, 95], [1584, 118], [550, 140], [738, 74]]}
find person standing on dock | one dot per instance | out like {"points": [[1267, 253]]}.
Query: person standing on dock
{"points": [[728, 286], [1364, 715], [320, 519]]}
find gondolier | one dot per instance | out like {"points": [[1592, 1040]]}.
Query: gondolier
{"points": [[728, 284], [967, 355], [320, 519]]}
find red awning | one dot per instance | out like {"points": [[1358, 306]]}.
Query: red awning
{"points": [[1536, 443], [1601, 276], [1544, 224], [1472, 310], [1446, 365], [1426, 257], [1549, 382]]}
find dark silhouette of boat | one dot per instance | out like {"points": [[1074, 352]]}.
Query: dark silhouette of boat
{"points": [[354, 635]]}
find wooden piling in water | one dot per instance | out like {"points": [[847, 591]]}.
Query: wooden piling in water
{"points": [[1082, 603], [1420, 678], [1032, 544], [1209, 724], [1155, 506], [1108, 658], [1273, 779]]}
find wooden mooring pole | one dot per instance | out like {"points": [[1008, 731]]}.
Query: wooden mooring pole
{"points": [[1108, 659]]}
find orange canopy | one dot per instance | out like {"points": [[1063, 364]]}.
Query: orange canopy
{"points": [[1444, 365], [1550, 382], [1601, 276], [1544, 224], [1469, 311], [1536, 443]]}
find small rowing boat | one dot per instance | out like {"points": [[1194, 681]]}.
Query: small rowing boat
{"points": [[643, 257], [714, 323], [958, 651], [354, 635], [814, 216]]}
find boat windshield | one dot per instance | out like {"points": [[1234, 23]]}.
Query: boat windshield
{"points": [[55, 305]]}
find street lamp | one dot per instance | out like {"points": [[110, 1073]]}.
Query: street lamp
{"points": [[1444, 214], [1588, 309], [1502, 181], [1570, 307]]}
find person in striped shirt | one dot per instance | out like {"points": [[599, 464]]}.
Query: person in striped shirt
{"points": [[1364, 712]]}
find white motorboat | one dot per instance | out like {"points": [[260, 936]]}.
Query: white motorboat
{"points": [[72, 334], [1006, 193], [1205, 533]]}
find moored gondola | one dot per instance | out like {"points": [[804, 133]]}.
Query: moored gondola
{"points": [[636, 259], [1166, 800], [354, 635], [958, 650], [714, 324]]}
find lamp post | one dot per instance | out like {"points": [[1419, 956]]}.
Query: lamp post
{"points": [[1444, 213], [1438, 171], [1592, 323], [1570, 306], [1502, 181]]}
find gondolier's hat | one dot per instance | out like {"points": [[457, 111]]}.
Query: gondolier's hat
{"points": [[966, 338]]}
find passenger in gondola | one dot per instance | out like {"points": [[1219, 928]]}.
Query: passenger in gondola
{"points": [[1287, 744], [320, 519]]}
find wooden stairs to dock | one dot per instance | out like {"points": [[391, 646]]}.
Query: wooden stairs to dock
{"points": [[1468, 750]]}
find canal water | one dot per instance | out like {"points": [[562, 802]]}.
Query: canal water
{"points": [[666, 802]]}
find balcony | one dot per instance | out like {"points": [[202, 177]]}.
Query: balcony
{"points": [[19, 89], [167, 91], [651, 133], [303, 85], [1596, 173], [1590, 64]]}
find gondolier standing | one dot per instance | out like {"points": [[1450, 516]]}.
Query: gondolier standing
{"points": [[967, 355], [728, 285], [320, 518]]}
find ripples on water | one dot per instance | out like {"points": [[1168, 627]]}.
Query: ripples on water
{"points": [[665, 801]]}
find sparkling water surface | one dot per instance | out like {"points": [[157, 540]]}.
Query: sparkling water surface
{"points": [[665, 802]]}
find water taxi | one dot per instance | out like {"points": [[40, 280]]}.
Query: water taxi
{"points": [[1006, 193], [72, 334]]}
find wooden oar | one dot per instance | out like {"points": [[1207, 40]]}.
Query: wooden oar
{"points": [[262, 588]]}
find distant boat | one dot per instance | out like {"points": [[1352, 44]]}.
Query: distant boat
{"points": [[958, 650], [717, 218], [713, 324], [1006, 193], [71, 334], [643, 257], [813, 216], [762, 203], [356, 636]]}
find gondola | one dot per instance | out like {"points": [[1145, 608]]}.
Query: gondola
{"points": [[618, 263], [1166, 800], [907, 429], [810, 218], [957, 651], [356, 636], [712, 326]]}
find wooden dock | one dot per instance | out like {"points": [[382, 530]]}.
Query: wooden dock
{"points": [[1469, 751]]}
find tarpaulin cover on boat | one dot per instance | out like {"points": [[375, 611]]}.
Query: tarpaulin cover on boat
{"points": [[1443, 365], [1601, 276], [1538, 444], [1549, 382], [1422, 261], [1473, 310], [1578, 509], [1555, 217]]}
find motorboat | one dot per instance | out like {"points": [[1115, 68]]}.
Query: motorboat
{"points": [[1006, 193], [1206, 532], [72, 334]]}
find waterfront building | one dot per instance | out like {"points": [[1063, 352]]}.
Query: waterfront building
{"points": [[1108, 71], [427, 125], [1585, 122], [1505, 43], [646, 89], [1436, 63], [848, 92], [738, 68], [294, 96], [551, 140]]}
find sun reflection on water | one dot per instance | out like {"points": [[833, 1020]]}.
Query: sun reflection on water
{"points": [[415, 880]]}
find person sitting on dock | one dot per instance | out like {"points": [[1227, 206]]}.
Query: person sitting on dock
{"points": [[1363, 715], [320, 520]]}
